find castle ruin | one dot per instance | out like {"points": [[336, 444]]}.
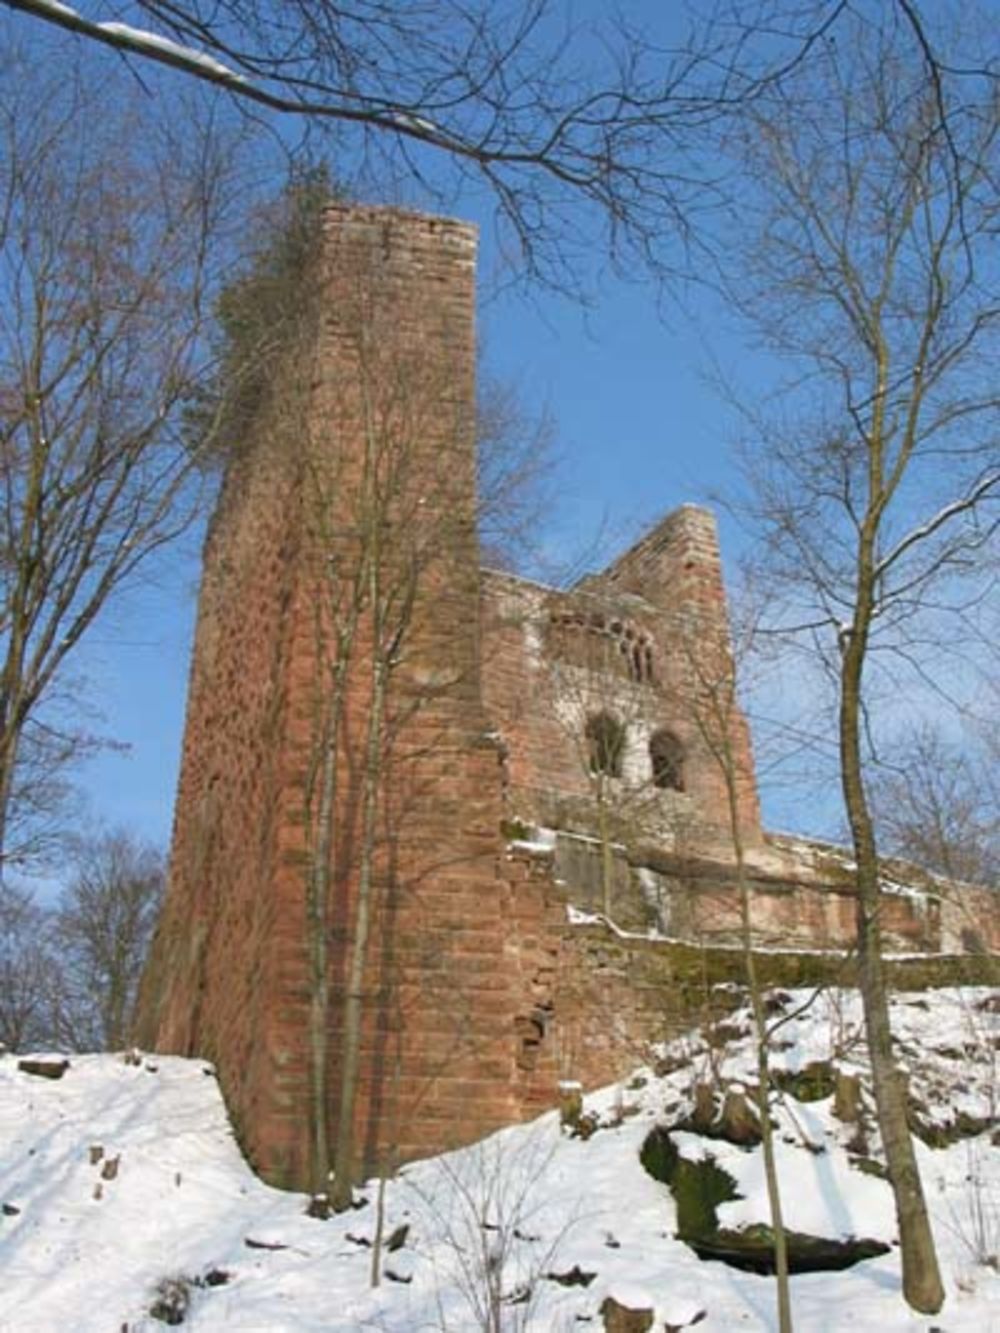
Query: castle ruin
{"points": [[464, 803]]}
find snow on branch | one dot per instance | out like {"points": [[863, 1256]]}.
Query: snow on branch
{"points": [[980, 491], [198, 64]]}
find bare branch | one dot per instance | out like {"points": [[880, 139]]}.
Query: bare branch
{"points": [[985, 487]]}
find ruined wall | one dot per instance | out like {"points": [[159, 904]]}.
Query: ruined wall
{"points": [[646, 641], [456, 965], [970, 919], [354, 490], [604, 995], [652, 990], [212, 982]]}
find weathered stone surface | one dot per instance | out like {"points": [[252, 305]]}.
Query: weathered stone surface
{"points": [[458, 1028], [570, 1103], [752, 1249], [812, 1083], [740, 1123], [937, 1133], [698, 1189], [43, 1068], [631, 627], [705, 1108], [572, 1277], [478, 995], [620, 1318], [847, 1105], [728, 1115]]}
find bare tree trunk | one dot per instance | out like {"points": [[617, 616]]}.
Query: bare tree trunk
{"points": [[872, 233], [342, 1195], [15, 614], [714, 720], [8, 760], [370, 590], [320, 870], [375, 1274], [763, 1064], [607, 858], [112, 228], [922, 1286]]}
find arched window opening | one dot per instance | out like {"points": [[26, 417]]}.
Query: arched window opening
{"points": [[605, 744], [666, 754], [599, 635]]}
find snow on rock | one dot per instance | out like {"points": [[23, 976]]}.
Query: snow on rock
{"points": [[536, 841], [550, 1224]]}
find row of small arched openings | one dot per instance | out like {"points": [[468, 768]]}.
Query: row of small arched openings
{"points": [[606, 736], [634, 647]]}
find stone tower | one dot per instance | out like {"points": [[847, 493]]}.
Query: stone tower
{"points": [[346, 831], [373, 481]]}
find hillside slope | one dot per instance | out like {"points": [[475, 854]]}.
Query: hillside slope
{"points": [[179, 1219]]}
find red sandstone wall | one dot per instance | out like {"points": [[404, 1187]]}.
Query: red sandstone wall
{"points": [[677, 567], [206, 990], [970, 919], [477, 997], [791, 915], [667, 593], [460, 958]]}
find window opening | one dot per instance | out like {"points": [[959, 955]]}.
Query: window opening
{"points": [[666, 754], [635, 648], [605, 744]]}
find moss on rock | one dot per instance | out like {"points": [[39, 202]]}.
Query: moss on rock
{"points": [[699, 1187]]}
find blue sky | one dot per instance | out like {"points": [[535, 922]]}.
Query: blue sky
{"points": [[640, 430]]}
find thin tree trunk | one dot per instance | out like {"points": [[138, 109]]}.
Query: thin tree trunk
{"points": [[17, 616], [375, 1275], [319, 999], [607, 861], [8, 761], [321, 874], [342, 1196], [922, 1286], [389, 1162], [761, 1036]]}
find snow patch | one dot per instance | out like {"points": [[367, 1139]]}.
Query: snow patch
{"points": [[527, 1203]]}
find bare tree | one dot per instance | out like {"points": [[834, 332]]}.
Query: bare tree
{"points": [[487, 1207], [26, 971], [873, 210], [259, 398], [101, 931], [39, 820], [514, 463], [937, 804], [405, 520], [545, 111], [715, 710], [107, 247]]}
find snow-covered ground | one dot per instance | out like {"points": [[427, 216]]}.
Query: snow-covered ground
{"points": [[82, 1251]]}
